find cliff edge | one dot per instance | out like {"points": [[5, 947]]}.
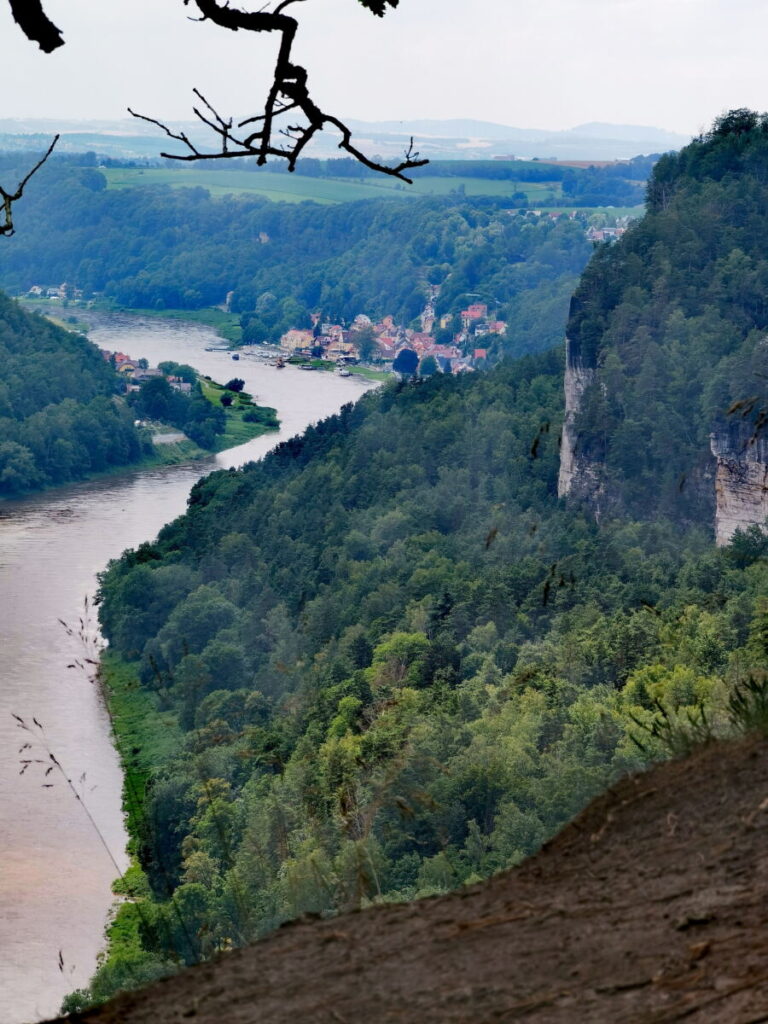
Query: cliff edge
{"points": [[651, 906]]}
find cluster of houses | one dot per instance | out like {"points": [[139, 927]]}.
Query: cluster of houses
{"points": [[57, 292], [605, 234], [136, 372], [367, 341]]}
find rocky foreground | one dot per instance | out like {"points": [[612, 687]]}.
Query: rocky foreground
{"points": [[651, 906]]}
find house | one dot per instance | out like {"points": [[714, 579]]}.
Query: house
{"points": [[419, 341], [477, 311], [296, 339], [387, 347], [341, 349], [444, 352]]}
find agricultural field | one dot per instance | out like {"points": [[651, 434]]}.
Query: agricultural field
{"points": [[298, 188]]}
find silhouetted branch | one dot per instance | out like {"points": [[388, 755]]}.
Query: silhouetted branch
{"points": [[288, 93], [35, 24], [7, 199]]}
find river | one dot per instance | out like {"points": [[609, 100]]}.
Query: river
{"points": [[55, 875]]}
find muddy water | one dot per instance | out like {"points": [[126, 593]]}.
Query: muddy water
{"points": [[54, 873]]}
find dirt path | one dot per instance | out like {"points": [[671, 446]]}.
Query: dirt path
{"points": [[652, 906]]}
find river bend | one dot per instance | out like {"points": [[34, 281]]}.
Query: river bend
{"points": [[55, 876]]}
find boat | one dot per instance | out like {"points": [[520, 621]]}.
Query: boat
{"points": [[235, 356], [279, 363], [306, 366], [344, 373]]}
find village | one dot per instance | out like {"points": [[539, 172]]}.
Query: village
{"points": [[380, 343]]}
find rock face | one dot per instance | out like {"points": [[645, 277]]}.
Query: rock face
{"points": [[578, 477], [740, 463], [741, 479]]}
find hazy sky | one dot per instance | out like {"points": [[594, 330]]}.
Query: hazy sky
{"points": [[673, 64]]}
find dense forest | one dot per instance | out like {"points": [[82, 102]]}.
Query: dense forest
{"points": [[674, 320], [60, 417], [386, 661], [164, 248]]}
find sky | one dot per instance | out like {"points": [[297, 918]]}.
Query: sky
{"points": [[673, 64]]}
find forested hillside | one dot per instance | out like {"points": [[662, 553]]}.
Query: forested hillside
{"points": [[59, 417], [671, 324], [160, 247], [386, 661]]}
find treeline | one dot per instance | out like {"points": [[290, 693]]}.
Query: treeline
{"points": [[385, 661], [160, 248], [675, 316], [60, 417]]}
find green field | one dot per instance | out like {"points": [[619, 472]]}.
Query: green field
{"points": [[237, 430], [297, 188]]}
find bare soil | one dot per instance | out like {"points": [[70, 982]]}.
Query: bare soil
{"points": [[649, 907]]}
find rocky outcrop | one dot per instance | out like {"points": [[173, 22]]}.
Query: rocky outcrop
{"points": [[741, 479], [578, 476]]}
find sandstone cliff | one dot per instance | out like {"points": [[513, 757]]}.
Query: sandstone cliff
{"points": [[741, 480], [579, 475], [738, 472]]}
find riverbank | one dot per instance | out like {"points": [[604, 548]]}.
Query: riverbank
{"points": [[245, 419], [54, 544], [174, 453], [143, 736], [226, 325], [354, 371]]}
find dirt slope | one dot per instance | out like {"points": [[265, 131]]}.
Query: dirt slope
{"points": [[650, 907]]}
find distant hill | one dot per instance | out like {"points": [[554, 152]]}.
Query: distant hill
{"points": [[439, 139]]}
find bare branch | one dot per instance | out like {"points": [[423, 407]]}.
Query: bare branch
{"points": [[36, 25], [289, 92], [7, 199]]}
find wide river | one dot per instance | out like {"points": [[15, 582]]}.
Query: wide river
{"points": [[55, 875]]}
